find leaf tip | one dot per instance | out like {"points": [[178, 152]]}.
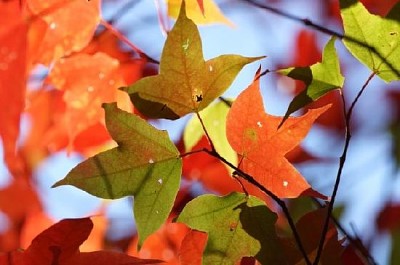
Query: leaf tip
{"points": [[58, 183]]}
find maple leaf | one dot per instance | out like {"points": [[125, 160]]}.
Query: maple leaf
{"points": [[192, 247], [88, 81], [163, 244], [13, 42], [62, 36], [374, 31], [146, 164], [310, 228], [60, 243], [200, 11], [319, 78], [237, 226], [186, 83], [19, 190], [255, 136]]}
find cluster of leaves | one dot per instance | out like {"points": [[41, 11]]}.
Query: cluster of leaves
{"points": [[233, 147]]}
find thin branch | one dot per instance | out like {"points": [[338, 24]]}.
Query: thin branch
{"points": [[123, 38], [307, 22], [161, 19], [355, 242], [206, 132], [342, 161], [280, 202], [191, 153]]}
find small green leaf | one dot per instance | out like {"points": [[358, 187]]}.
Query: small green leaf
{"points": [[380, 36], [237, 226], [214, 118], [146, 164], [186, 83], [320, 78]]}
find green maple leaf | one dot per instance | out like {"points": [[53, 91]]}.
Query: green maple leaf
{"points": [[237, 226], [186, 82], [383, 34], [146, 164], [320, 78]]}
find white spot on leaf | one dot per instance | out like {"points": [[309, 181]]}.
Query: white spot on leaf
{"points": [[185, 45], [151, 161], [210, 68], [259, 124], [53, 25], [285, 183], [160, 181]]}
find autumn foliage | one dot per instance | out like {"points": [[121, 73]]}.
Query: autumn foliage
{"points": [[229, 190]]}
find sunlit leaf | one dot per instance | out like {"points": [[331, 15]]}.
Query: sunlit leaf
{"points": [[319, 78], [145, 164], [87, 82], [163, 244], [214, 119], [13, 67], [192, 247], [262, 147], [64, 35], [200, 11], [383, 34], [186, 83], [236, 225]]}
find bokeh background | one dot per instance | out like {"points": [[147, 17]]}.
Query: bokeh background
{"points": [[370, 182]]}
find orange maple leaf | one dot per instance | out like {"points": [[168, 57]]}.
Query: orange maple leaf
{"points": [[87, 82], [192, 248], [13, 40], [262, 147], [61, 35]]}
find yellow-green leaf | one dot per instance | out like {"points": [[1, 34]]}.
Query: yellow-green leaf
{"points": [[320, 78], [186, 83], [237, 226], [214, 119], [145, 164], [380, 36]]}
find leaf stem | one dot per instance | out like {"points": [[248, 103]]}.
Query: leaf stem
{"points": [[191, 153], [123, 38], [342, 161], [280, 202], [354, 241], [206, 132]]}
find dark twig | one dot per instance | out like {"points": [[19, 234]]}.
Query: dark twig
{"points": [[354, 241], [123, 38], [342, 161], [280, 202], [206, 132], [307, 22]]}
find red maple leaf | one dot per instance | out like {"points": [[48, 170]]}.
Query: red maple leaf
{"points": [[262, 146]]}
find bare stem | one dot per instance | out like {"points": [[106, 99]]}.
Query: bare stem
{"points": [[191, 153], [342, 161], [206, 132]]}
